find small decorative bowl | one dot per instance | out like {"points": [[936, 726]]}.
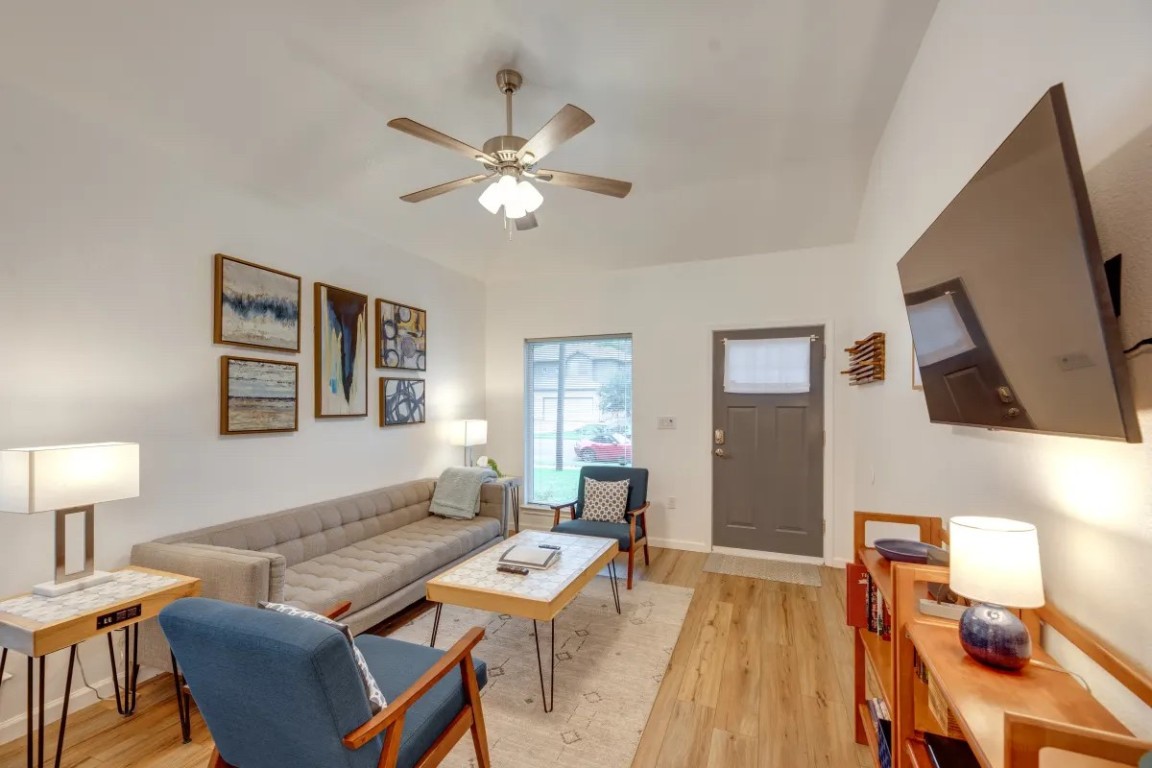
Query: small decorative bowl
{"points": [[902, 550]]}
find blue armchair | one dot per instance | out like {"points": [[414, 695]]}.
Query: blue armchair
{"points": [[278, 690], [630, 534]]}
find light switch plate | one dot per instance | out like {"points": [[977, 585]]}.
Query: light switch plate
{"points": [[665, 422]]}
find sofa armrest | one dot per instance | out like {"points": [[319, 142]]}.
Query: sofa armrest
{"points": [[492, 500], [234, 575]]}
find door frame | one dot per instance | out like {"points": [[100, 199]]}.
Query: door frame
{"points": [[830, 429]]}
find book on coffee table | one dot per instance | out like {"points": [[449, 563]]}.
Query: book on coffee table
{"points": [[530, 556]]}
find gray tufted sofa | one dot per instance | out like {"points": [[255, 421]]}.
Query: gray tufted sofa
{"points": [[373, 549]]}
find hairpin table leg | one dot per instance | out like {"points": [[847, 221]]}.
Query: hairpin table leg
{"points": [[183, 703], [547, 698], [615, 586], [436, 624]]}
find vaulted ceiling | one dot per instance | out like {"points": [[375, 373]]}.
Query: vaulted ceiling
{"points": [[746, 126]]}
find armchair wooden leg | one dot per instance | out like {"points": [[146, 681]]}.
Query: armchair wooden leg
{"points": [[631, 566], [647, 560], [479, 732], [215, 761]]}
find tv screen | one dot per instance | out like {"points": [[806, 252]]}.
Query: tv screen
{"points": [[1007, 299]]}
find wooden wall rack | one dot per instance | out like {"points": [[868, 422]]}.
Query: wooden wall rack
{"points": [[866, 360], [1005, 717]]}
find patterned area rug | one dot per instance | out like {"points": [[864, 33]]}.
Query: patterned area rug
{"points": [[608, 669], [769, 570]]}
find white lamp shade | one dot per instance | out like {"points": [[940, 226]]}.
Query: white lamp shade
{"points": [[65, 476], [529, 197], [492, 198], [995, 560], [470, 432]]}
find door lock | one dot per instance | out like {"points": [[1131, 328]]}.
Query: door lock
{"points": [[721, 453], [718, 437]]}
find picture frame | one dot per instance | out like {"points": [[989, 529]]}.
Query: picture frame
{"points": [[401, 336], [402, 402], [341, 352], [255, 306], [258, 396]]}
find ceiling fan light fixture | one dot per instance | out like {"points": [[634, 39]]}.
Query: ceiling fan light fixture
{"points": [[514, 210], [528, 196], [492, 198]]}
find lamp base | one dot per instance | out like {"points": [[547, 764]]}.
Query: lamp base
{"points": [[995, 636], [58, 588]]}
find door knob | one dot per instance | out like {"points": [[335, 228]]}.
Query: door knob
{"points": [[720, 452]]}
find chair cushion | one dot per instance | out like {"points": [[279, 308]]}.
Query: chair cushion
{"points": [[376, 698], [370, 570], [396, 665], [618, 531], [605, 500]]}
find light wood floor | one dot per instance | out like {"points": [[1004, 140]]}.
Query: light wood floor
{"points": [[761, 677]]}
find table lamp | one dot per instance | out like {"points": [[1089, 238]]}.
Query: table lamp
{"points": [[995, 562], [470, 433], [69, 479]]}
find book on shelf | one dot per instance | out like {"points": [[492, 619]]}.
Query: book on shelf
{"points": [[530, 556], [949, 753]]}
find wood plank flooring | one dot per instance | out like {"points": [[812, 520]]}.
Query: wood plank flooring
{"points": [[761, 677]]}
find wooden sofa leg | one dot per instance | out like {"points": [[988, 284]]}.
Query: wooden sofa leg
{"points": [[631, 558]]}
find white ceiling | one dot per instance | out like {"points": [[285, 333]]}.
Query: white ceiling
{"points": [[746, 126]]}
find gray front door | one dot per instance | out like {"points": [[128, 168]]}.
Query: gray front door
{"points": [[768, 456]]}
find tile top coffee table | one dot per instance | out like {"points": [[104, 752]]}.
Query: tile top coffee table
{"points": [[539, 596]]}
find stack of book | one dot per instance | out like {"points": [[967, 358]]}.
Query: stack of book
{"points": [[882, 722], [530, 556], [879, 618]]}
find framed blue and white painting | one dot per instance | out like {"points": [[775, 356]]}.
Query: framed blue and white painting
{"points": [[256, 306], [401, 402], [341, 352]]}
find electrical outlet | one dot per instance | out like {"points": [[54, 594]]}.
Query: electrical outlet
{"points": [[671, 502], [665, 422]]}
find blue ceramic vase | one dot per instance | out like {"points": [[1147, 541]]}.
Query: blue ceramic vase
{"points": [[995, 636]]}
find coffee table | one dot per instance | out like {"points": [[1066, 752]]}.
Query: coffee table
{"points": [[539, 596]]}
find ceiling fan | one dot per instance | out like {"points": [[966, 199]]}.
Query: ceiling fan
{"points": [[512, 161]]}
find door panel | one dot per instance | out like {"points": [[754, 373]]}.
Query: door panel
{"points": [[767, 467]]}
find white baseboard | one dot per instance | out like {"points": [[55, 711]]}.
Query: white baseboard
{"points": [[684, 544], [758, 555], [14, 728], [838, 562]]}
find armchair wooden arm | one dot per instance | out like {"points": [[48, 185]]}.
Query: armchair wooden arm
{"points": [[571, 505], [393, 715], [1024, 737]]}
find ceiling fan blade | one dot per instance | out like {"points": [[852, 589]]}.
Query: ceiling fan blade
{"points": [[440, 189], [565, 124], [597, 184], [526, 222], [413, 128]]}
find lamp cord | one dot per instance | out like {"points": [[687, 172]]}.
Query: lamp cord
{"points": [[1069, 672]]}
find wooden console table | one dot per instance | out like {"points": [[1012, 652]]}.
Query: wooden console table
{"points": [[36, 626], [1006, 717]]}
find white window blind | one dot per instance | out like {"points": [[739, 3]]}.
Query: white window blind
{"points": [[938, 330], [578, 411], [767, 366]]}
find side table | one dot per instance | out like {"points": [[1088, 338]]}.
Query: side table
{"points": [[36, 626]]}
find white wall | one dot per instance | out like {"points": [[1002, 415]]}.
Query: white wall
{"points": [[981, 67], [671, 312], [106, 334]]}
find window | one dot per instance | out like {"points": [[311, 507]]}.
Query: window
{"points": [[578, 402]]}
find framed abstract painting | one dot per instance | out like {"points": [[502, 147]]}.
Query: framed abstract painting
{"points": [[341, 352], [258, 396], [256, 306], [401, 335], [401, 402]]}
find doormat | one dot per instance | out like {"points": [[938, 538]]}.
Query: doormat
{"points": [[768, 570]]}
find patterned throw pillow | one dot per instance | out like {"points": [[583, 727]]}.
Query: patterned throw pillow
{"points": [[605, 501], [375, 696]]}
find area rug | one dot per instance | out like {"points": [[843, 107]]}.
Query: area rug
{"points": [[769, 570], [608, 669]]}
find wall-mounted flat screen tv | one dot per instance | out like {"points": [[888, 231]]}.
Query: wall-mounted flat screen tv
{"points": [[1011, 317]]}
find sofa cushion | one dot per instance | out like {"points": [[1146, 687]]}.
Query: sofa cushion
{"points": [[370, 570], [397, 665]]}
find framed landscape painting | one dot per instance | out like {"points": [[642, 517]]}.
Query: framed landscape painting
{"points": [[402, 336], [256, 306], [257, 396], [341, 352], [401, 402]]}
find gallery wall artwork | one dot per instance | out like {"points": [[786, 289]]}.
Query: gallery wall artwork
{"points": [[401, 402], [256, 306], [341, 352], [257, 396], [402, 336]]}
